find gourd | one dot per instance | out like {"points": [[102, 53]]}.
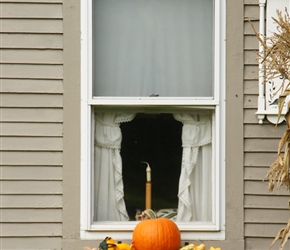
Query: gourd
{"points": [[193, 247], [109, 244], [156, 234]]}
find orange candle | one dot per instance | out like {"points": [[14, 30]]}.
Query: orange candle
{"points": [[148, 196], [148, 187]]}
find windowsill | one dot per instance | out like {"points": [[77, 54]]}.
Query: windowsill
{"points": [[129, 226], [123, 231]]}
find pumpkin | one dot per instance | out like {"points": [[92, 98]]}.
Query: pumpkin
{"points": [[156, 234]]}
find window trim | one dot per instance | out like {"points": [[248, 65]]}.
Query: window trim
{"points": [[91, 230]]}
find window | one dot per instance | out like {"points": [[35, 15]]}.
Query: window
{"points": [[152, 87]]}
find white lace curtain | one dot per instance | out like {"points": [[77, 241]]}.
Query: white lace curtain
{"points": [[109, 201], [195, 179], [195, 188]]}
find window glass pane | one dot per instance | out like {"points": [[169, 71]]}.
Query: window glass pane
{"points": [[153, 47], [178, 148]]}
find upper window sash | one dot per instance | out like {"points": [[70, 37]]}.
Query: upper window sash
{"points": [[87, 67]]}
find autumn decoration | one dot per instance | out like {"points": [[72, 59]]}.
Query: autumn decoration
{"points": [[156, 233], [109, 244]]}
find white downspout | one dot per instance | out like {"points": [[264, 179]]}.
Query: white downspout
{"points": [[261, 99]]}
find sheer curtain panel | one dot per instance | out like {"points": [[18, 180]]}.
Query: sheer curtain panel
{"points": [[109, 201], [195, 183]]}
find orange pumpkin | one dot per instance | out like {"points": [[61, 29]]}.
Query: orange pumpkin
{"points": [[156, 234]]}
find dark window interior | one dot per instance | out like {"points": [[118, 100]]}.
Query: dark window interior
{"points": [[156, 139]]}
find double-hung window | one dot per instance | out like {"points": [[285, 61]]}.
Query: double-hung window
{"points": [[152, 92]]}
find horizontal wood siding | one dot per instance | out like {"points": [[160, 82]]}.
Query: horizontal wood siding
{"points": [[31, 126], [264, 213]]}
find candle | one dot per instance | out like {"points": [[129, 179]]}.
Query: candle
{"points": [[148, 187], [148, 173], [148, 198]]}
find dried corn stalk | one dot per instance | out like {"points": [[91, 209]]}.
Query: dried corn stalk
{"points": [[278, 173], [284, 233]]}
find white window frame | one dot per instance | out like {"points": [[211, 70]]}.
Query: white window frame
{"points": [[123, 230]]}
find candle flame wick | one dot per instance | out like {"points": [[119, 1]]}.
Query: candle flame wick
{"points": [[146, 163]]}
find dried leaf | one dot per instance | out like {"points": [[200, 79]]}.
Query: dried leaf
{"points": [[284, 139], [284, 233], [279, 234]]}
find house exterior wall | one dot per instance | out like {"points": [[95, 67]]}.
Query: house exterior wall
{"points": [[40, 130], [264, 213], [31, 115]]}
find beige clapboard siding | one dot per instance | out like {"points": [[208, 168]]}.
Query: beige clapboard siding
{"points": [[31, 173], [259, 230], [32, 71], [45, 26], [250, 117], [31, 201], [248, 29], [255, 173], [32, 1], [31, 115], [31, 187], [250, 57], [31, 229], [31, 100], [31, 129], [263, 201], [30, 41], [251, 101], [259, 187], [251, 86], [251, 42], [28, 158], [251, 11], [261, 145], [31, 56], [26, 9], [258, 244], [265, 131], [31, 215], [254, 215], [44, 86], [31, 144], [259, 159], [31, 243], [251, 72]]}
